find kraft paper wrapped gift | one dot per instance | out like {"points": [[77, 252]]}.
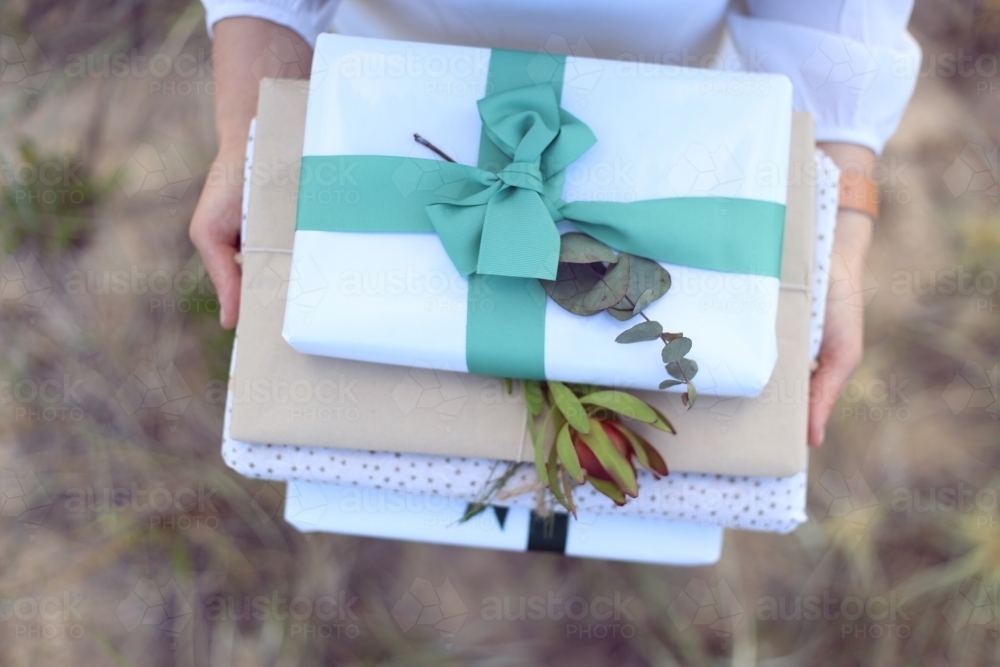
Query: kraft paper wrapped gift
{"points": [[408, 259], [283, 396]]}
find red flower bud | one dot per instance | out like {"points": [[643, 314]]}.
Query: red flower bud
{"points": [[589, 462]]}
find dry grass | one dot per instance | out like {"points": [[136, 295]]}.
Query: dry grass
{"points": [[917, 560]]}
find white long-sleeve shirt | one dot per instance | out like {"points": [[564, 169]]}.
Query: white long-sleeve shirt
{"points": [[852, 63]]}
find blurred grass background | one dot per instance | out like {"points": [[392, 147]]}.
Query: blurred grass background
{"points": [[102, 296]]}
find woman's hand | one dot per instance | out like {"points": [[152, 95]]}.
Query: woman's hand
{"points": [[843, 329], [215, 231], [245, 51]]}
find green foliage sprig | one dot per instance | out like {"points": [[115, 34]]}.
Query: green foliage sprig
{"points": [[592, 278]]}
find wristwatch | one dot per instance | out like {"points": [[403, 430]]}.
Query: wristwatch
{"points": [[859, 193]]}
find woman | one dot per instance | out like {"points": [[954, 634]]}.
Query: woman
{"points": [[851, 62]]}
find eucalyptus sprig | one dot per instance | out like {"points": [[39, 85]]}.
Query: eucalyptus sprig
{"points": [[592, 278]]}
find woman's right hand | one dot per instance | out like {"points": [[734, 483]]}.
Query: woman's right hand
{"points": [[215, 232]]}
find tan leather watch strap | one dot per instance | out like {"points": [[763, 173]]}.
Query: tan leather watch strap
{"points": [[858, 192]]}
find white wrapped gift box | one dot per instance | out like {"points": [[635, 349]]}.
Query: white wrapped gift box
{"points": [[661, 132]]}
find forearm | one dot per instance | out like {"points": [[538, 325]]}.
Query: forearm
{"points": [[240, 56], [854, 230]]}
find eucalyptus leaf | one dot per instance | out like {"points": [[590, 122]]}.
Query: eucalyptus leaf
{"points": [[573, 283], [569, 405], [676, 349], [619, 314], [645, 274], [669, 383], [567, 454], [611, 288], [683, 369], [644, 300], [577, 248], [644, 331], [621, 403]]}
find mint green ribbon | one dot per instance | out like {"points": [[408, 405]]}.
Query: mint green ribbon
{"points": [[508, 227], [497, 221]]}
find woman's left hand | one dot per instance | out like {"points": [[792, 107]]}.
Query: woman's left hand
{"points": [[843, 329]]}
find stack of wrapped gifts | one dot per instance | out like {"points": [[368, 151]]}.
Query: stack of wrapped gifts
{"points": [[527, 301]]}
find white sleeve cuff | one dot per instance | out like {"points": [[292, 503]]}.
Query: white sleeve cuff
{"points": [[856, 91], [307, 22]]}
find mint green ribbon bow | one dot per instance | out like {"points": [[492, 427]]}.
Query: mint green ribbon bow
{"points": [[508, 227]]}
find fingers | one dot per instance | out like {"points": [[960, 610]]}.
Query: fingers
{"points": [[220, 260], [215, 232], [836, 366], [218, 242]]}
